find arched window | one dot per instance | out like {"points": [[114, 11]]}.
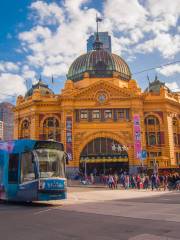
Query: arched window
{"points": [[25, 129], [152, 130], [152, 120], [152, 139], [176, 134], [51, 129]]}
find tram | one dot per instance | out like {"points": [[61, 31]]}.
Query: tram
{"points": [[32, 170]]}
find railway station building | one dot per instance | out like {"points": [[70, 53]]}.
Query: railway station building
{"points": [[103, 117]]}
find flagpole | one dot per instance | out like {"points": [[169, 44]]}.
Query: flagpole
{"points": [[97, 24]]}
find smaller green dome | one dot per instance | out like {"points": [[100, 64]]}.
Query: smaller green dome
{"points": [[155, 86], [44, 89]]}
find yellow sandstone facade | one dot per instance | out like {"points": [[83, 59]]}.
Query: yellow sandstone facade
{"points": [[94, 116]]}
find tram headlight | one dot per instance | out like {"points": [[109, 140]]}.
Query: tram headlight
{"points": [[41, 184], [65, 183]]}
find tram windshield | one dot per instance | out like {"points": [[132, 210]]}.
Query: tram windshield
{"points": [[51, 162]]}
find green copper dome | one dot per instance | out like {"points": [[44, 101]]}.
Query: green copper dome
{"points": [[44, 90], [155, 86], [99, 63]]}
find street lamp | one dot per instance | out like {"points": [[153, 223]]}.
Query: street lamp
{"points": [[155, 167], [85, 168]]}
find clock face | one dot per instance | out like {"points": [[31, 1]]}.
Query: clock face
{"points": [[102, 98]]}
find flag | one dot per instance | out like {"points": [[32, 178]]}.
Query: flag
{"points": [[98, 19], [52, 79]]}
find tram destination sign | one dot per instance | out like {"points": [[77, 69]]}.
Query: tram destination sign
{"points": [[49, 145]]}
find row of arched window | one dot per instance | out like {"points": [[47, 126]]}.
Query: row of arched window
{"points": [[51, 129], [152, 130], [154, 135]]}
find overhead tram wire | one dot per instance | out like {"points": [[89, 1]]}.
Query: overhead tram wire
{"points": [[153, 68], [145, 70]]}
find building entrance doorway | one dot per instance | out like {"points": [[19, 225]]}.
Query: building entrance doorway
{"points": [[104, 156]]}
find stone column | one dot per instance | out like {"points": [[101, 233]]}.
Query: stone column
{"points": [[34, 132], [16, 127], [169, 139]]}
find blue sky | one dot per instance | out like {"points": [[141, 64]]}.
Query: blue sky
{"points": [[44, 37]]}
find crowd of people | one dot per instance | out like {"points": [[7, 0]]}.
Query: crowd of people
{"points": [[152, 181]]}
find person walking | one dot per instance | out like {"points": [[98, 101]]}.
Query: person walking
{"points": [[111, 182], [153, 181], [165, 182], [146, 182], [116, 178], [138, 180], [126, 181]]}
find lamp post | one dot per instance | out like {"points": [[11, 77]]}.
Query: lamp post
{"points": [[155, 167], [85, 168]]}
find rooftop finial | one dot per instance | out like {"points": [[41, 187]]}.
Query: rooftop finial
{"points": [[148, 79], [156, 78], [97, 44]]}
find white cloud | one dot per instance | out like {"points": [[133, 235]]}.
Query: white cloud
{"points": [[8, 66], [125, 15], [165, 43], [27, 73], [147, 27], [48, 13], [11, 85], [169, 70], [54, 51], [173, 86], [61, 29], [37, 34], [55, 70]]}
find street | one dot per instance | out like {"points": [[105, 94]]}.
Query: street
{"points": [[95, 214]]}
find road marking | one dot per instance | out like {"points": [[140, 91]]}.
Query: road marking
{"points": [[46, 210], [151, 237]]}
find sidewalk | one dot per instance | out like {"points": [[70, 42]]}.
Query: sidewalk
{"points": [[77, 183], [78, 197]]}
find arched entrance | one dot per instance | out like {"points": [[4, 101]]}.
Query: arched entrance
{"points": [[104, 155]]}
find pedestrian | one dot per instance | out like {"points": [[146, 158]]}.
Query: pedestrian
{"points": [[165, 182], [126, 181], [116, 178], [138, 180], [92, 178], [111, 182], [146, 182], [153, 181], [158, 183]]}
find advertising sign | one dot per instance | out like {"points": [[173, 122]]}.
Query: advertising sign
{"points": [[69, 137], [137, 136]]}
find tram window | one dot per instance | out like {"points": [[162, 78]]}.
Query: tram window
{"points": [[27, 167], [13, 168]]}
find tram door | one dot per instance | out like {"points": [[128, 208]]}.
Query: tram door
{"points": [[13, 174], [28, 187]]}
